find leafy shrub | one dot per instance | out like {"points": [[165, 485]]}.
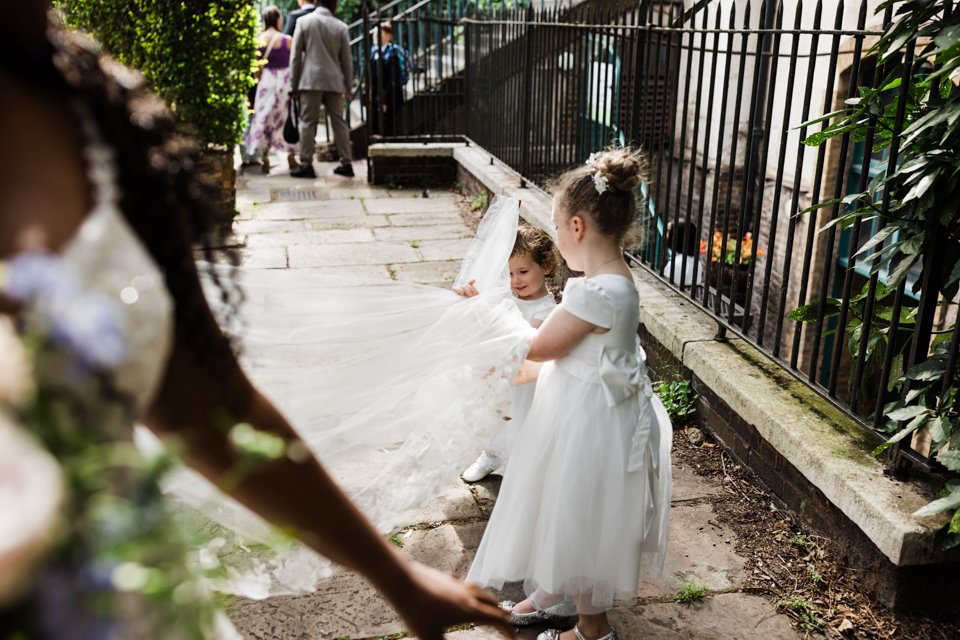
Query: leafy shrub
{"points": [[197, 56], [922, 219], [479, 202], [678, 398]]}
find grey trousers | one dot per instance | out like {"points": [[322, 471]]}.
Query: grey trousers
{"points": [[310, 102]]}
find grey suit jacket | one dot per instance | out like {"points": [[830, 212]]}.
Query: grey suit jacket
{"points": [[321, 54]]}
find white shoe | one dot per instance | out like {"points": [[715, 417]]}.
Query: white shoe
{"points": [[485, 464], [558, 612], [554, 634]]}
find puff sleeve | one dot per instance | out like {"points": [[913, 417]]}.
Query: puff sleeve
{"points": [[588, 301]]}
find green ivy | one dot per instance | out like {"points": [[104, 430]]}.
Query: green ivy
{"points": [[678, 398], [923, 213], [198, 56]]}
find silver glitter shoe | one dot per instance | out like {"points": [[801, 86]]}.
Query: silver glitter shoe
{"points": [[558, 611], [554, 634]]}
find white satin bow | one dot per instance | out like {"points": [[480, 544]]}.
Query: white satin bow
{"points": [[623, 374]]}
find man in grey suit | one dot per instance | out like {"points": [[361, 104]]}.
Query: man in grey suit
{"points": [[322, 74], [305, 7]]}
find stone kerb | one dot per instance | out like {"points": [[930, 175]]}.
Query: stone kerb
{"points": [[814, 458]]}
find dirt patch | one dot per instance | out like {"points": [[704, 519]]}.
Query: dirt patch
{"points": [[471, 207], [792, 566]]}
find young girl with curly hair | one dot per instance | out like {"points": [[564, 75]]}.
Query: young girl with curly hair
{"points": [[533, 260]]}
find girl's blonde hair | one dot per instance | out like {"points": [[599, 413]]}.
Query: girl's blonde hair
{"points": [[536, 243], [604, 190]]}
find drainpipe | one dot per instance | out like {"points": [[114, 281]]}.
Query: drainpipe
{"points": [[755, 173]]}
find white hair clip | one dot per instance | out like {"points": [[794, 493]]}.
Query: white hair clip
{"points": [[600, 182]]}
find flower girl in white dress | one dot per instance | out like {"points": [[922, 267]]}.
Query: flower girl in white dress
{"points": [[533, 259], [585, 499]]}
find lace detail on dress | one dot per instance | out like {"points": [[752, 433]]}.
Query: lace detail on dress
{"points": [[109, 258]]}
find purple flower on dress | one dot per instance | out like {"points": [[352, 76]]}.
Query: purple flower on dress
{"points": [[37, 274], [88, 325], [91, 328]]}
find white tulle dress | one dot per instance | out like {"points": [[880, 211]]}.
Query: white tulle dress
{"points": [[585, 499], [500, 447]]}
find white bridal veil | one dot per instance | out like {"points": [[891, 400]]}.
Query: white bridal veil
{"points": [[393, 386]]}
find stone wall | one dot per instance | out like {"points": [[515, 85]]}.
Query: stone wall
{"points": [[216, 167], [911, 587]]}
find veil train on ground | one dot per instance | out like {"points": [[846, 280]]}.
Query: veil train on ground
{"points": [[393, 386]]}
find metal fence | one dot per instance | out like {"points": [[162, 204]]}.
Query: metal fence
{"points": [[717, 97], [432, 35]]}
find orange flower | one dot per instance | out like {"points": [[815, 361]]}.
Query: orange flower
{"points": [[728, 252]]}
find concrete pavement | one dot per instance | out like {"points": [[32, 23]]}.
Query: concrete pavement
{"points": [[337, 226]]}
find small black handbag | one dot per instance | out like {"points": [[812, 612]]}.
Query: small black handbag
{"points": [[291, 128]]}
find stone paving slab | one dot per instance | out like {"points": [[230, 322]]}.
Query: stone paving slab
{"points": [[421, 219], [248, 227], [456, 503], [433, 250], [423, 232], [309, 210], [264, 258], [689, 487], [448, 548], [352, 254], [698, 549], [344, 606], [363, 192], [309, 237], [441, 274], [486, 633], [412, 205], [728, 616], [338, 222], [249, 199], [310, 277]]}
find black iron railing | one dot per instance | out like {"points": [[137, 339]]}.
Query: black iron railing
{"points": [[718, 97]]}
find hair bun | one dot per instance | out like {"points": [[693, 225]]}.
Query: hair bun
{"points": [[623, 168]]}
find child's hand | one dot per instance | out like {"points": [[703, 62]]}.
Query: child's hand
{"points": [[529, 372], [467, 290]]}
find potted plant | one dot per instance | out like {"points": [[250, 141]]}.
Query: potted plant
{"points": [[730, 263]]}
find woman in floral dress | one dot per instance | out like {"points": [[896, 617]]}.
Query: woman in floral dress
{"points": [[273, 93]]}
